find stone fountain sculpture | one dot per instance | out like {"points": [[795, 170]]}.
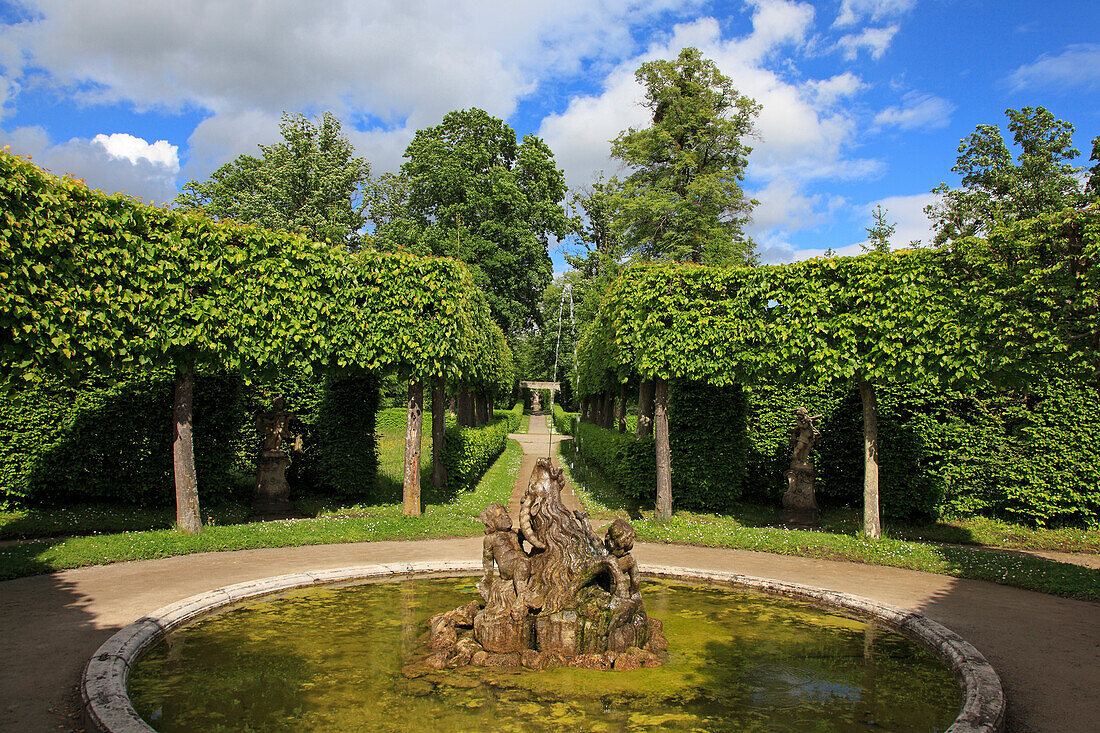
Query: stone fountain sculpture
{"points": [[799, 503], [571, 600]]}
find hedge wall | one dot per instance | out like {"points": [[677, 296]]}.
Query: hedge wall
{"points": [[625, 459], [1030, 458], [1033, 458], [563, 421], [469, 451], [63, 441]]}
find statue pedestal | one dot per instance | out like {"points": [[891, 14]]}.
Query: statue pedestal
{"points": [[799, 504], [272, 492]]}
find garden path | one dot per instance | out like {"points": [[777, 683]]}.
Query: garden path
{"points": [[537, 442]]}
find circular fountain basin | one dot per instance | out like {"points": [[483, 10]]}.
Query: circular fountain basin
{"points": [[844, 665]]}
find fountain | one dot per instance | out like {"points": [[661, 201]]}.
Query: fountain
{"points": [[572, 600]]}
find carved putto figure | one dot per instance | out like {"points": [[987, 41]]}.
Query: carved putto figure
{"points": [[572, 599], [803, 436], [501, 550]]}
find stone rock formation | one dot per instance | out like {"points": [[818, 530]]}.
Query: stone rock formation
{"points": [[572, 599]]}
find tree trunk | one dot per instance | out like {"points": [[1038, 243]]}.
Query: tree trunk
{"points": [[482, 404], [664, 455], [413, 430], [645, 408], [872, 525], [622, 407], [465, 407], [183, 454], [584, 409], [439, 422], [608, 410]]}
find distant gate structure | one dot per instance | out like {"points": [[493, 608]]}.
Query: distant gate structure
{"points": [[552, 386]]}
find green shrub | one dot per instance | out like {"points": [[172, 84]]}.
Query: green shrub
{"points": [[94, 441], [626, 460], [563, 421], [709, 445], [1025, 458], [469, 451]]}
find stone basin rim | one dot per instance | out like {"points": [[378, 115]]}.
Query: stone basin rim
{"points": [[107, 706]]}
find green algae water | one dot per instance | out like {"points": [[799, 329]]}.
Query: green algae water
{"points": [[329, 659]]}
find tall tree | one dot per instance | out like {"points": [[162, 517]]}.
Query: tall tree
{"points": [[879, 233], [997, 189], [470, 190], [684, 201], [311, 182]]}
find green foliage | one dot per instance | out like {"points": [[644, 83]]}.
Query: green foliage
{"points": [[628, 461], [564, 421], [99, 440], [707, 436], [468, 452], [341, 454], [96, 441], [98, 284], [310, 183], [996, 189], [684, 201], [943, 453], [937, 332], [470, 191]]}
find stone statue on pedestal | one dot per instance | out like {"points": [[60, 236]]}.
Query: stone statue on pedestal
{"points": [[272, 492], [536, 402], [799, 504]]}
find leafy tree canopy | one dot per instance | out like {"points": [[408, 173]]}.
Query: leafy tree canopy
{"points": [[311, 183], [470, 190], [684, 201], [997, 189]]}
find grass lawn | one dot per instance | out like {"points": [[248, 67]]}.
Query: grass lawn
{"points": [[330, 522], [748, 527]]}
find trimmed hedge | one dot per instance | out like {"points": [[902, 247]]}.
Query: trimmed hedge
{"points": [[1029, 458], [709, 445], [626, 460], [563, 421], [469, 451], [94, 441]]}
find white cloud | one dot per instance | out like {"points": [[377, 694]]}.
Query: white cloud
{"points": [[874, 40], [784, 206], [1078, 66], [799, 134], [9, 90], [907, 214], [828, 92], [92, 160], [853, 11], [917, 111], [407, 63], [133, 149]]}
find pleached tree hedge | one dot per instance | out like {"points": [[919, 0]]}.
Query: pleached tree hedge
{"points": [[97, 284], [1002, 310]]}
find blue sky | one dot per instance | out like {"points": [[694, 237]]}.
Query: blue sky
{"points": [[864, 101]]}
